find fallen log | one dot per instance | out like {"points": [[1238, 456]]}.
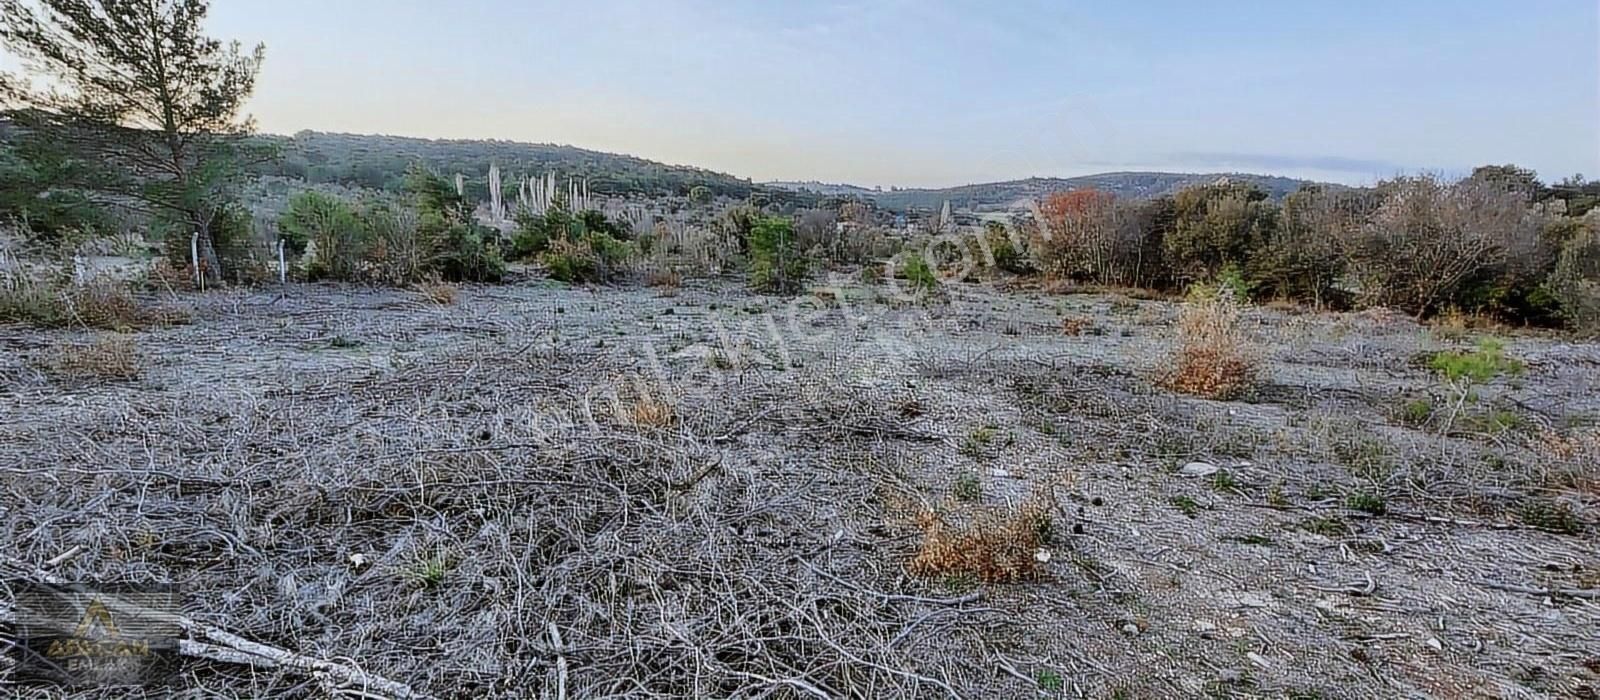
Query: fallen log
{"points": [[215, 644]]}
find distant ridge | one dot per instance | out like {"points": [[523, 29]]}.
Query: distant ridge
{"points": [[1014, 193]]}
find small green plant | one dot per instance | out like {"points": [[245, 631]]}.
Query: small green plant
{"points": [[1049, 681], [1550, 514], [1481, 365], [1499, 421], [430, 571], [1365, 457], [968, 487], [959, 582], [1276, 497], [1186, 505], [1367, 502], [1224, 480], [1463, 371], [977, 441], [1415, 413], [1325, 526]]}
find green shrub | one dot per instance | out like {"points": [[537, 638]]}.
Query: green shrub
{"points": [[1005, 253], [327, 227], [464, 253], [1217, 224], [776, 263], [594, 258], [1574, 284], [919, 274]]}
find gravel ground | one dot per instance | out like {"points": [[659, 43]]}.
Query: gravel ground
{"points": [[426, 490]]}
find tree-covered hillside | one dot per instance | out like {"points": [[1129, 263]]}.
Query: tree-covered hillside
{"points": [[380, 162]]}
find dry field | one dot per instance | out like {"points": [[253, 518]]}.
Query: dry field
{"points": [[540, 491]]}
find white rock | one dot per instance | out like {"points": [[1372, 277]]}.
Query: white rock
{"points": [[999, 473], [1042, 555], [1198, 469]]}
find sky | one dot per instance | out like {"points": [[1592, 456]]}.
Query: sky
{"points": [[946, 92]]}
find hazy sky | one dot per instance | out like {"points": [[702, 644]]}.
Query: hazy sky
{"points": [[939, 92]]}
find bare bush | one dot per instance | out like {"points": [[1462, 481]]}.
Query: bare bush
{"points": [[1090, 236], [437, 291], [1305, 256], [1429, 238], [671, 250]]}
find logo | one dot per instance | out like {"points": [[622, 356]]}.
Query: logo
{"points": [[95, 636]]}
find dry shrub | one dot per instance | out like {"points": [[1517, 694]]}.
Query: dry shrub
{"points": [[109, 356], [667, 279], [1571, 458], [650, 412], [437, 291], [165, 275], [994, 545], [1075, 325], [1214, 358]]}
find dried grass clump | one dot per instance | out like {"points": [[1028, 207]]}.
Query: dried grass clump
{"points": [[99, 303], [651, 412], [437, 291], [1075, 325], [995, 545], [109, 356], [1214, 358], [667, 279]]}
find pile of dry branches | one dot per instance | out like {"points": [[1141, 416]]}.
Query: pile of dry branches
{"points": [[460, 527]]}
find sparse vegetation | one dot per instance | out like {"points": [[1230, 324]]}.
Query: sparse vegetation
{"points": [[438, 292], [919, 275], [621, 473]]}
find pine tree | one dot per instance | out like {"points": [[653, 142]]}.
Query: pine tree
{"points": [[147, 103]]}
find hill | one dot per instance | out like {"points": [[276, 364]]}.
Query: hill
{"points": [[1000, 195], [380, 162]]}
